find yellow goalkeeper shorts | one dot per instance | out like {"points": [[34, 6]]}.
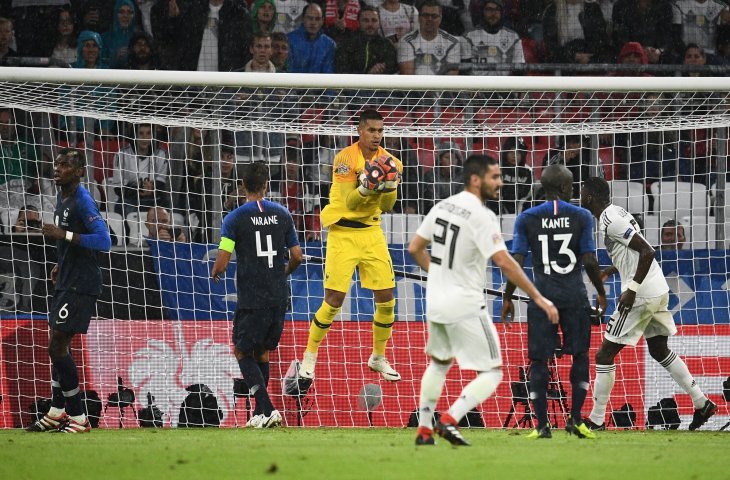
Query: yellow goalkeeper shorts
{"points": [[365, 249]]}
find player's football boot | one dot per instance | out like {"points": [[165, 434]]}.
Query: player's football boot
{"points": [[48, 423], [270, 421], [594, 426], [255, 420], [378, 363], [703, 414], [425, 437], [540, 432], [447, 429], [306, 368], [580, 430], [72, 426]]}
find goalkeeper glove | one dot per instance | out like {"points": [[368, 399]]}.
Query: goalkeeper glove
{"points": [[391, 175], [371, 180]]}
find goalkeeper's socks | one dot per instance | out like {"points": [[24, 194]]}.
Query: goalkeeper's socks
{"points": [[256, 387], [432, 384], [680, 373], [476, 392], [320, 325], [605, 378], [57, 399], [579, 377], [68, 378], [383, 325], [539, 377], [264, 367]]}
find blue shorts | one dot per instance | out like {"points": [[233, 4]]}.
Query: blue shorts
{"points": [[71, 312], [258, 329], [542, 336]]}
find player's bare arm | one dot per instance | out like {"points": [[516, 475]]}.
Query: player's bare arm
{"points": [[221, 265], [56, 233], [513, 272], [417, 249], [590, 262], [646, 256], [608, 272], [508, 308], [295, 259]]}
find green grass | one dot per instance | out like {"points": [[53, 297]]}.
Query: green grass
{"points": [[293, 453]]}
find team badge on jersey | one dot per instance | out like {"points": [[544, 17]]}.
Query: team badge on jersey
{"points": [[628, 232], [497, 238], [342, 169]]}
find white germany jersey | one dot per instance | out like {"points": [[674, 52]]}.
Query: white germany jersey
{"points": [[289, 14], [431, 57], [464, 234], [400, 22], [618, 228], [481, 47], [699, 21]]}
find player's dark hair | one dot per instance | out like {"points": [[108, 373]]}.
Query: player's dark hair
{"points": [[672, 223], [369, 114], [255, 176], [261, 34], [368, 8], [598, 188], [429, 3], [73, 155], [553, 179], [477, 165]]}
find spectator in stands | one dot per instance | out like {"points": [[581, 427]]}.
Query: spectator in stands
{"points": [[318, 157], [444, 179], [429, 50], [159, 227], [409, 200], [260, 54], [516, 191], [29, 220], [64, 49], [18, 163], [142, 53], [398, 19], [263, 16], [366, 51], [694, 55], [88, 51], [672, 236], [298, 194], [574, 154], [648, 22], [280, 51], [310, 50], [492, 42], [203, 35], [699, 19], [341, 19], [575, 32], [289, 15], [6, 38], [632, 53], [231, 185], [116, 40], [141, 173], [95, 15], [34, 22], [198, 184]]}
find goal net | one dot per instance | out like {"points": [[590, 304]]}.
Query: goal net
{"points": [[163, 328]]}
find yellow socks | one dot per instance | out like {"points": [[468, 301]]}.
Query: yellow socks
{"points": [[383, 325], [321, 323]]}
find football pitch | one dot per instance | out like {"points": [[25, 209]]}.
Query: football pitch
{"points": [[327, 453]]}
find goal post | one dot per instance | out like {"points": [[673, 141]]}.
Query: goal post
{"points": [[163, 327]]}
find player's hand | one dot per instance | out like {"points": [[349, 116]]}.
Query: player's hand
{"points": [[164, 234], [54, 274], [508, 312], [626, 301], [549, 309], [600, 310], [53, 232], [371, 179], [173, 8], [391, 175]]}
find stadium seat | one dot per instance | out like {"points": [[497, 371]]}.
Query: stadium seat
{"points": [[679, 199], [138, 228], [8, 217], [652, 226], [399, 228], [629, 195], [507, 222]]}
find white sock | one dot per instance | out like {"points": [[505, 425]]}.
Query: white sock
{"points": [[680, 373], [476, 392], [602, 386], [432, 384], [79, 418], [56, 412]]}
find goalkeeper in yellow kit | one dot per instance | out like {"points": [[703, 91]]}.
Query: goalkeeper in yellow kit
{"points": [[364, 184]]}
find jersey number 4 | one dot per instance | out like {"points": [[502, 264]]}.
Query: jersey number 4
{"points": [[564, 239], [269, 252], [441, 239]]}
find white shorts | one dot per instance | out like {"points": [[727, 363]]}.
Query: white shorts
{"points": [[472, 341], [648, 317]]}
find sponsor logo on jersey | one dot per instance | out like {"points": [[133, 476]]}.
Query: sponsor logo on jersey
{"points": [[629, 231], [93, 218]]}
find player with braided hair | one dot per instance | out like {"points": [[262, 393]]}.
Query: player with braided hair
{"points": [[365, 181]]}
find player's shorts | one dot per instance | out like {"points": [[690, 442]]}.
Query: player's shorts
{"points": [[649, 317], [365, 249], [71, 312], [472, 341], [258, 329], [542, 336]]}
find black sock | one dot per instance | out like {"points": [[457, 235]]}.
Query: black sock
{"points": [[69, 379], [538, 390], [57, 398], [579, 377], [264, 367], [255, 381]]}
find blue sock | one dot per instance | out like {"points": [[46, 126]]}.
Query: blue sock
{"points": [[69, 379], [539, 377], [579, 377], [256, 386], [57, 398]]}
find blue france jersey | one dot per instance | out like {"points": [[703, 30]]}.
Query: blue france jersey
{"points": [[558, 233], [263, 233], [78, 266]]}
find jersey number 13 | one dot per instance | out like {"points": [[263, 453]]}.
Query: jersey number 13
{"points": [[548, 264]]}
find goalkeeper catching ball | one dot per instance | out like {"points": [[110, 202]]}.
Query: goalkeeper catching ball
{"points": [[364, 184]]}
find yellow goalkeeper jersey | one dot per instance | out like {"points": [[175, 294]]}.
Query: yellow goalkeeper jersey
{"points": [[348, 165]]}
